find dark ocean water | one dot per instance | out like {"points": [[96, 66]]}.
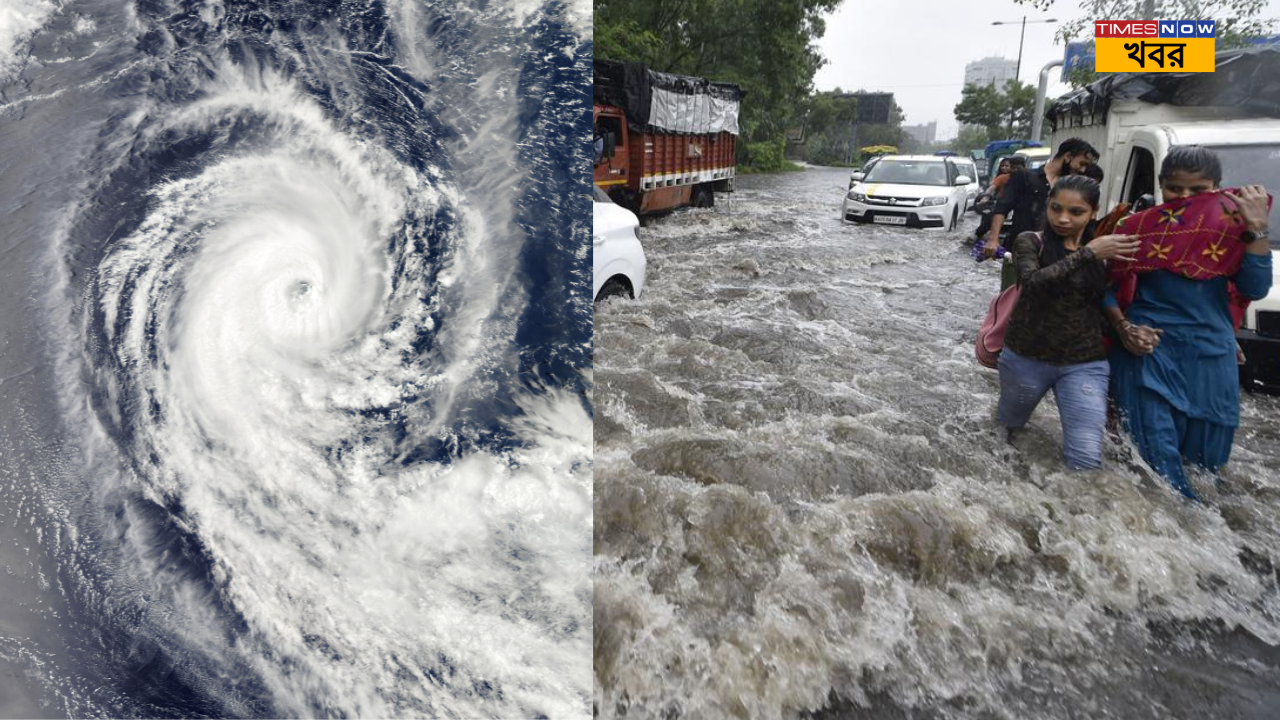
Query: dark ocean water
{"points": [[295, 410]]}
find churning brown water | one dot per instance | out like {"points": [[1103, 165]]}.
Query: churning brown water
{"points": [[803, 506]]}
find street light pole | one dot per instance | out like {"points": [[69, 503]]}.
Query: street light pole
{"points": [[1017, 72], [1017, 69]]}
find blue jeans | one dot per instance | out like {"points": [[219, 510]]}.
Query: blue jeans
{"points": [[1081, 392]]}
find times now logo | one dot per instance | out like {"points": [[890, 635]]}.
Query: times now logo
{"points": [[1153, 28]]}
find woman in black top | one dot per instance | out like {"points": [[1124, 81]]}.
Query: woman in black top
{"points": [[1054, 339]]}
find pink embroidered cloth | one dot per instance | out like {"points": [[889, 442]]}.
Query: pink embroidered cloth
{"points": [[1197, 237]]}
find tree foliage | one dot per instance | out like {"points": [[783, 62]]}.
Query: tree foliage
{"points": [[764, 46], [827, 109], [833, 135], [625, 41], [999, 112], [828, 127], [1020, 99], [969, 138], [886, 134], [983, 106]]}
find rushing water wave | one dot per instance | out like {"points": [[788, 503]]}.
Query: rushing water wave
{"points": [[311, 280], [803, 505]]}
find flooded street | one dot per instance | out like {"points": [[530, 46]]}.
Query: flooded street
{"points": [[803, 507]]}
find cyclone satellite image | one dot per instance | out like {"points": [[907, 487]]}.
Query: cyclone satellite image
{"points": [[295, 334]]}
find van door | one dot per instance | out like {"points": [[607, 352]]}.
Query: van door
{"points": [[1148, 147], [1139, 175]]}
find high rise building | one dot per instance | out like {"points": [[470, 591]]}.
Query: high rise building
{"points": [[925, 133], [990, 71]]}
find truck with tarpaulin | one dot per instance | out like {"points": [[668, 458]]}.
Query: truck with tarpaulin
{"points": [[1134, 118], [662, 141]]}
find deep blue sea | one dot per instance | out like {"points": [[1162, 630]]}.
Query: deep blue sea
{"points": [[295, 373]]}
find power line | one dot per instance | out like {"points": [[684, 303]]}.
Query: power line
{"points": [[890, 88]]}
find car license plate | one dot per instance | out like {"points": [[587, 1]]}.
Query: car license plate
{"points": [[891, 220]]}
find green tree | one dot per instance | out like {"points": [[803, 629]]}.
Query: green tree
{"points": [[882, 134], [762, 45], [983, 106], [826, 110], [970, 138], [1020, 104], [625, 41], [828, 127], [999, 112]]}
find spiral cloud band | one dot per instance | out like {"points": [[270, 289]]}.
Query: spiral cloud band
{"points": [[321, 360]]}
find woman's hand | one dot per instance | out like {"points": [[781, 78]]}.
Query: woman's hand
{"points": [[1252, 201], [1138, 339], [1119, 247]]}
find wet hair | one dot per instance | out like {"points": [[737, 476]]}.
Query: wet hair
{"points": [[1054, 249], [1016, 161], [1083, 184], [1192, 159], [1093, 172], [1075, 146]]}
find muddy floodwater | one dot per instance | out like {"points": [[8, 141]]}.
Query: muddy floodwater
{"points": [[803, 507]]}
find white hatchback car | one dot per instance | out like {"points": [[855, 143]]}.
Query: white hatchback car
{"points": [[617, 260], [912, 190]]}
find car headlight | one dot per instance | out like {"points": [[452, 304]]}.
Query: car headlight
{"points": [[934, 201], [857, 196]]}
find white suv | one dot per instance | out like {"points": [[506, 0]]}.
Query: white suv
{"points": [[913, 190], [617, 259]]}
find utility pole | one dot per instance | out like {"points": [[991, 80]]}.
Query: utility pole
{"points": [[1017, 73]]}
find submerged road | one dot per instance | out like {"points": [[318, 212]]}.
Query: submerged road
{"points": [[803, 506]]}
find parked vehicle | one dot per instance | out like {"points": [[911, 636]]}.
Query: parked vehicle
{"points": [[617, 259], [998, 149], [912, 190], [872, 152], [967, 168], [662, 141], [866, 168], [1235, 115], [1036, 156], [979, 158]]}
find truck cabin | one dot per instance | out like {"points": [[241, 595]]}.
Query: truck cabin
{"points": [[1247, 148], [607, 135]]}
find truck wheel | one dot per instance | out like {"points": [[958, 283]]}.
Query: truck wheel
{"points": [[703, 198]]}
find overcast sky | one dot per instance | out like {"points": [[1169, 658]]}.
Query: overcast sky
{"points": [[918, 49]]}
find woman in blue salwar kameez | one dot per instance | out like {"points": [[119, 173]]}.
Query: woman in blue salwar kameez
{"points": [[1174, 374]]}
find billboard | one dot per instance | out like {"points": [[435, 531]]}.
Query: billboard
{"points": [[873, 108], [1078, 54]]}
